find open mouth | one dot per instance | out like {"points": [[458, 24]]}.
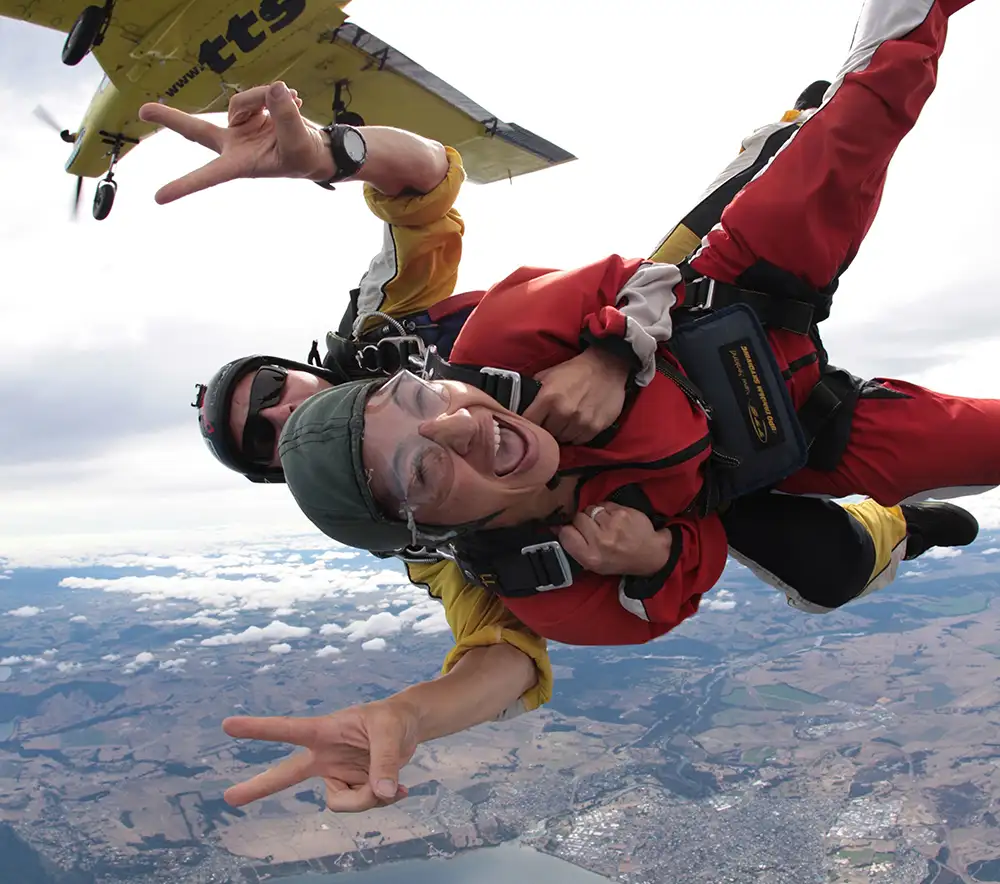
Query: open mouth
{"points": [[510, 449]]}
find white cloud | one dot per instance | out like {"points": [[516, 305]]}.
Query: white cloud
{"points": [[375, 644], [382, 624], [25, 611], [718, 600], [111, 658], [992, 551], [331, 629], [284, 612], [175, 665], [942, 552], [50, 653], [142, 659], [13, 661], [282, 648], [328, 651], [79, 618], [69, 667], [267, 667], [432, 624], [274, 630]]}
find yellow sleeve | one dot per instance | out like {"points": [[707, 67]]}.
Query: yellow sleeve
{"points": [[686, 236], [477, 619], [421, 247]]}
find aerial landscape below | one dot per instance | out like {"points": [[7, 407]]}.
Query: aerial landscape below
{"points": [[754, 743]]}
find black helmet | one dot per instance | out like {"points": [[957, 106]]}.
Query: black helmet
{"points": [[213, 401]]}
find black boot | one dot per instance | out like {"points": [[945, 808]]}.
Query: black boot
{"points": [[812, 95], [931, 523]]}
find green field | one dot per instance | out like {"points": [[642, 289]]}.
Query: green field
{"points": [[784, 691], [758, 755], [954, 606], [781, 697], [865, 856]]}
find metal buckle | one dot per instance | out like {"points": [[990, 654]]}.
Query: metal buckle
{"points": [[515, 392], [423, 555], [709, 293], [371, 357], [554, 547]]}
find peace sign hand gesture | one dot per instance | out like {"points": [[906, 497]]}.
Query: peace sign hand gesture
{"points": [[266, 137], [358, 752]]}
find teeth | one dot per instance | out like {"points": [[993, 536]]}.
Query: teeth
{"points": [[496, 438]]}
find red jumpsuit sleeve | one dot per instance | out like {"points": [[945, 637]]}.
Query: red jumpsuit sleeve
{"points": [[549, 316], [597, 610]]}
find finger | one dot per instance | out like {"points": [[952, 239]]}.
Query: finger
{"points": [[598, 516], [576, 545], [218, 171], [355, 799], [192, 128], [247, 103], [280, 729], [386, 737], [559, 425], [295, 145], [588, 526], [284, 774], [582, 432]]}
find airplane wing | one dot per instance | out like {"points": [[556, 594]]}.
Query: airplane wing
{"points": [[194, 55], [386, 88], [131, 17]]}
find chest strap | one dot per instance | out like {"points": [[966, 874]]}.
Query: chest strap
{"points": [[513, 390], [702, 293], [525, 560]]}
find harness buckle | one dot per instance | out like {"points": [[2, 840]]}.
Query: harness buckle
{"points": [[548, 561], [705, 294], [389, 354], [507, 394]]}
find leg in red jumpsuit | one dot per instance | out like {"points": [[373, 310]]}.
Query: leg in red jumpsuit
{"points": [[800, 223]]}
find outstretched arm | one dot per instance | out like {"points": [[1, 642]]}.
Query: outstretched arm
{"points": [[359, 751], [267, 137]]}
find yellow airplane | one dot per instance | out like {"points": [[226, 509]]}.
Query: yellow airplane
{"points": [[195, 54]]}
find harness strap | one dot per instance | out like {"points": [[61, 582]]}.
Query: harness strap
{"points": [[703, 293], [513, 390], [525, 560]]}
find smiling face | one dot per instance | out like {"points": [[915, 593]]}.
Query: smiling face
{"points": [[450, 454]]}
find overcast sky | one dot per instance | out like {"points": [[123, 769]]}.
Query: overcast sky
{"points": [[106, 327]]}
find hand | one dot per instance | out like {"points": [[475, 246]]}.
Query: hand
{"points": [[580, 397], [266, 138], [357, 751], [616, 540]]}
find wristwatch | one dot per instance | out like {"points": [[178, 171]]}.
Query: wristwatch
{"points": [[348, 149]]}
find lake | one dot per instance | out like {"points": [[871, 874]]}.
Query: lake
{"points": [[488, 865]]}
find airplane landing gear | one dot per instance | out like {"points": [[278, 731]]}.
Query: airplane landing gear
{"points": [[104, 198], [87, 32]]}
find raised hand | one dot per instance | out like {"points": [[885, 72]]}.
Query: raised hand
{"points": [[266, 137], [358, 752]]}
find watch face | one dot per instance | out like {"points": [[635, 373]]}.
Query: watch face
{"points": [[354, 145]]}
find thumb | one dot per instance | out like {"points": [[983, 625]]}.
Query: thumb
{"points": [[290, 131], [386, 737]]}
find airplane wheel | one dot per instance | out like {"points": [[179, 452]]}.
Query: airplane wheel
{"points": [[104, 199], [83, 34]]}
